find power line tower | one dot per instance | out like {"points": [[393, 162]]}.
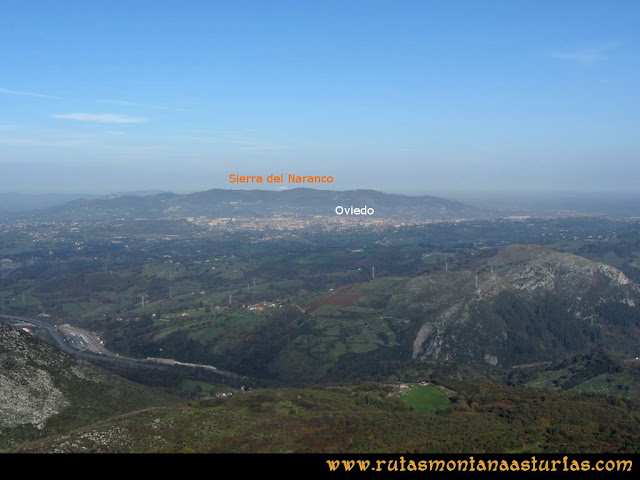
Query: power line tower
{"points": [[143, 296]]}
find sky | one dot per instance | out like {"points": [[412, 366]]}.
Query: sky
{"points": [[400, 96]]}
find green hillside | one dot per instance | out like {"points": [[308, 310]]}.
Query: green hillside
{"points": [[482, 417]]}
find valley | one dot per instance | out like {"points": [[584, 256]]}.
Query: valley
{"points": [[214, 315]]}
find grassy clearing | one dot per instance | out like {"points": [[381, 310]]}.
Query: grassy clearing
{"points": [[424, 398], [198, 387]]}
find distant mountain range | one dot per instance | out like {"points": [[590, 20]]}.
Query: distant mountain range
{"points": [[21, 202], [12, 202], [156, 204], [298, 202]]}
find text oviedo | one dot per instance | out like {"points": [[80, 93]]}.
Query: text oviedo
{"points": [[340, 210]]}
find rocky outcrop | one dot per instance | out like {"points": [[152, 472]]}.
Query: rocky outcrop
{"points": [[525, 298]]}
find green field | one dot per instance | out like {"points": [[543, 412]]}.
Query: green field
{"points": [[424, 398]]}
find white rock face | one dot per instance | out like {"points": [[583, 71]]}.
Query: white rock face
{"points": [[425, 332], [91, 440], [28, 395], [545, 269], [491, 359], [39, 383], [29, 400]]}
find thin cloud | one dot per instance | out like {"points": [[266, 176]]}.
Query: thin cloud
{"points": [[588, 57], [99, 117], [7, 91]]}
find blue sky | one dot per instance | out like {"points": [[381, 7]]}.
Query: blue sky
{"points": [[402, 96]]}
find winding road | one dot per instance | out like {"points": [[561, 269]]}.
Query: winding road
{"points": [[98, 353]]}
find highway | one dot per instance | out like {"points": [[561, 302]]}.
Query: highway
{"points": [[97, 353], [53, 332]]}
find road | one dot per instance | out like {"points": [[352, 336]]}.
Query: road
{"points": [[84, 340], [95, 352]]}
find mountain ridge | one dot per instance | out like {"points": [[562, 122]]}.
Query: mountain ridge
{"points": [[526, 301], [218, 202]]}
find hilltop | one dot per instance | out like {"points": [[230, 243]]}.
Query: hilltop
{"points": [[520, 304]]}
